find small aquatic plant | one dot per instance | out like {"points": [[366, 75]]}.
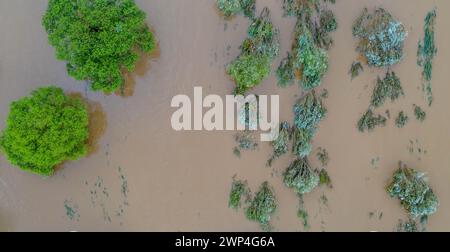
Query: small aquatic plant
{"points": [[356, 69], [300, 177], [425, 54], [388, 88], [412, 189], [238, 189], [262, 206], [401, 120], [281, 144], [45, 130], [381, 37], [369, 121], [99, 39], [257, 53], [420, 114]]}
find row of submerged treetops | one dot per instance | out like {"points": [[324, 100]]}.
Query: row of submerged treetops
{"points": [[101, 40]]}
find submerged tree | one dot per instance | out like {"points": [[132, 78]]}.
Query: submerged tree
{"points": [[356, 69], [415, 195], [257, 53], [262, 206], [45, 130], [99, 39], [369, 121], [230, 8], [388, 88], [238, 189], [281, 144], [425, 54], [401, 120], [381, 37], [301, 177], [420, 114], [309, 59]]}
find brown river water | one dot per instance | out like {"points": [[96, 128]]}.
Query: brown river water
{"points": [[143, 176]]}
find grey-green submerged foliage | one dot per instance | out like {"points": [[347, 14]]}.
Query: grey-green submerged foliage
{"points": [[322, 156], [257, 53], [412, 189], [401, 120], [238, 189], [301, 177], [425, 54], [262, 206], [281, 144], [388, 88], [309, 59], [369, 121], [420, 114], [245, 142], [230, 8], [381, 37], [409, 226]]}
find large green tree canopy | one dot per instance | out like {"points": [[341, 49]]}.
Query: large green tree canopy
{"points": [[44, 130], [98, 38]]}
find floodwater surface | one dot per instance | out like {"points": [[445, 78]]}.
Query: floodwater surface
{"points": [[143, 176]]}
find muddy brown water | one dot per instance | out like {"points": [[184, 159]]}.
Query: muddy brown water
{"points": [[180, 181]]}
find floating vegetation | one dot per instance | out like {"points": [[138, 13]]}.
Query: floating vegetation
{"points": [[369, 121], [262, 206], [302, 214], [309, 59], [257, 52], [300, 177], [281, 144], [325, 179], [415, 195], [388, 88], [238, 189], [230, 8], [71, 210], [322, 156], [420, 114], [246, 141], [401, 120], [425, 54], [356, 69], [409, 226], [381, 37]]}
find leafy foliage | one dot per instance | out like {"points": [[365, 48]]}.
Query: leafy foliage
{"points": [[389, 87], [420, 114], [309, 111], [44, 130], [355, 69], [262, 206], [425, 54], [238, 189], [309, 58], [300, 177], [381, 37], [231, 8], [401, 120], [281, 144], [98, 38], [409, 226], [325, 179], [245, 141], [369, 121], [258, 51], [413, 191]]}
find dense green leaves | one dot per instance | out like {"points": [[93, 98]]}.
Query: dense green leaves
{"points": [[401, 120], [231, 8], [262, 206], [388, 88], [44, 130], [413, 191], [369, 121], [281, 144], [258, 51], [381, 37], [99, 39], [238, 189]]}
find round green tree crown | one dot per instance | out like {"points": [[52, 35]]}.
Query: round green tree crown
{"points": [[44, 130], [98, 38]]}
